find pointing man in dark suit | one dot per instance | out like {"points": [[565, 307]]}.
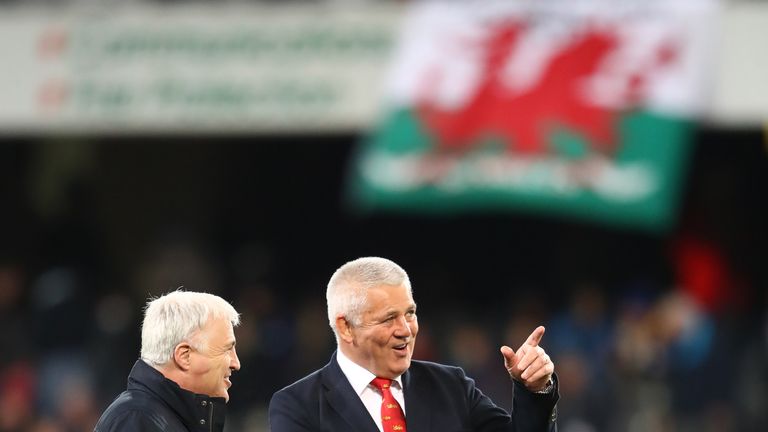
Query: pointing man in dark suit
{"points": [[371, 384]]}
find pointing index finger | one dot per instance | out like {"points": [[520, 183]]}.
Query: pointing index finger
{"points": [[535, 337]]}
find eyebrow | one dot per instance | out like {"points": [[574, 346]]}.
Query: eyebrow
{"points": [[394, 312]]}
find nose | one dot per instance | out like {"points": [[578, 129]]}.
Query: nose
{"points": [[402, 329], [234, 362]]}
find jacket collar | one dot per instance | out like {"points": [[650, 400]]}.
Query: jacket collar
{"points": [[343, 399], [199, 413]]}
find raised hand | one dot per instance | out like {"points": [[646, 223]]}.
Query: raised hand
{"points": [[530, 365]]}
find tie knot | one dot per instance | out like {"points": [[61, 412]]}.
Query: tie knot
{"points": [[382, 383]]}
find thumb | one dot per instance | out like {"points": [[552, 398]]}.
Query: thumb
{"points": [[509, 356]]}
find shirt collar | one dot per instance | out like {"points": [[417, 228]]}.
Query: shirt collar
{"points": [[357, 375]]}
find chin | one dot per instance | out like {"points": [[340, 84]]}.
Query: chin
{"points": [[402, 367]]}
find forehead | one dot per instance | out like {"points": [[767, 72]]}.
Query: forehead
{"points": [[382, 297], [218, 330]]}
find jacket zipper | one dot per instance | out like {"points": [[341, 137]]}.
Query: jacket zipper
{"points": [[210, 417]]}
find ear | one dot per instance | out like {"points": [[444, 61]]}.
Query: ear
{"points": [[344, 330], [181, 356]]}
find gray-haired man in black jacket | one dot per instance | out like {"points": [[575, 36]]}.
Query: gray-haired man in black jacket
{"points": [[181, 382]]}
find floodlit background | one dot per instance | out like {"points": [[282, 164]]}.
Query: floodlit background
{"points": [[226, 147]]}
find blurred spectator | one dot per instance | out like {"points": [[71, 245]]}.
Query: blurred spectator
{"points": [[265, 340], [470, 347], [14, 316], [584, 329], [752, 394], [581, 339], [62, 309], [17, 397], [67, 392]]}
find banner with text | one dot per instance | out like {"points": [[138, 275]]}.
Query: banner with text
{"points": [[169, 68]]}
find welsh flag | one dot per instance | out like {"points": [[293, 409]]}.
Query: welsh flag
{"points": [[579, 108]]}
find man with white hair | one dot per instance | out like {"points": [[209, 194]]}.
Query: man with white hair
{"points": [[181, 381], [372, 385]]}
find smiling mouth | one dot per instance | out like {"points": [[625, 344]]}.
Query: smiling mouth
{"points": [[401, 347]]}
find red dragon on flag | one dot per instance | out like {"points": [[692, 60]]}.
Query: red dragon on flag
{"points": [[557, 100]]}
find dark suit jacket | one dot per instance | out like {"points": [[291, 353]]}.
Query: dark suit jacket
{"points": [[438, 398]]}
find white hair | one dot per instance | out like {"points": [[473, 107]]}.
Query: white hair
{"points": [[176, 317], [348, 287]]}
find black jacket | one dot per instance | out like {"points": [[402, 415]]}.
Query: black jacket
{"points": [[153, 403]]}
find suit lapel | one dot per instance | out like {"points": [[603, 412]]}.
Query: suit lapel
{"points": [[342, 398], [417, 405]]}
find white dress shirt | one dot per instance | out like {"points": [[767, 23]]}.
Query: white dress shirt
{"points": [[361, 378]]}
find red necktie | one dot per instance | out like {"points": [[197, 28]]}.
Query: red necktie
{"points": [[392, 418]]}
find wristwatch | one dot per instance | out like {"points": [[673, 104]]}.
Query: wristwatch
{"points": [[548, 388]]}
